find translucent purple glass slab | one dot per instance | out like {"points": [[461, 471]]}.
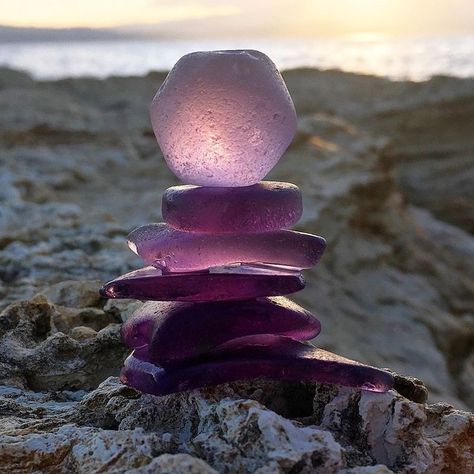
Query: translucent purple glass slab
{"points": [[150, 284], [168, 333], [178, 251], [263, 207], [223, 118], [268, 357]]}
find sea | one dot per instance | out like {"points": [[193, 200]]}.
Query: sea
{"points": [[414, 58]]}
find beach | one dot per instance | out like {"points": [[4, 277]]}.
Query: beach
{"points": [[386, 171]]}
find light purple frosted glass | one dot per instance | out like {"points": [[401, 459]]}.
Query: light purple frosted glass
{"points": [[168, 333], [223, 118], [261, 356], [263, 207], [178, 251], [220, 284]]}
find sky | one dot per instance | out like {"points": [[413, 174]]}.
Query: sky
{"points": [[276, 17]]}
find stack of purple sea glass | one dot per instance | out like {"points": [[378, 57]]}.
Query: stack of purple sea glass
{"points": [[219, 265]]}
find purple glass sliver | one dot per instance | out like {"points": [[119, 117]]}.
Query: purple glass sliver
{"points": [[263, 207], [178, 251], [223, 118], [169, 333], [150, 284], [264, 356]]}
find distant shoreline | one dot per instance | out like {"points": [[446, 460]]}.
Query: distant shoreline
{"points": [[12, 34], [5, 70], [415, 59]]}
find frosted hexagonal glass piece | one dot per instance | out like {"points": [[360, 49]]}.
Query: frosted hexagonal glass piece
{"points": [[223, 118]]}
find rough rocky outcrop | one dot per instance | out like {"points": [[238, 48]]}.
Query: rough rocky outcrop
{"points": [[262, 427], [384, 168]]}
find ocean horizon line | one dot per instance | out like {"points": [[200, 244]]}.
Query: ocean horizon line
{"points": [[414, 59]]}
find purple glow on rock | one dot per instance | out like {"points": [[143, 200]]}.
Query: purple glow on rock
{"points": [[169, 333], [223, 118], [263, 207], [242, 283], [263, 356], [178, 251]]}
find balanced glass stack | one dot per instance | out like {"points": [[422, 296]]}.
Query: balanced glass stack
{"points": [[218, 266]]}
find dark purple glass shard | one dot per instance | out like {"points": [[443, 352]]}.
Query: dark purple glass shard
{"points": [[268, 357], [263, 207], [168, 333], [178, 251], [150, 284]]}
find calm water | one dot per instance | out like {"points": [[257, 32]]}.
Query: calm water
{"points": [[415, 58]]}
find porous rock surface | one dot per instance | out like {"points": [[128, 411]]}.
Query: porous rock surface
{"points": [[258, 427], [384, 170]]}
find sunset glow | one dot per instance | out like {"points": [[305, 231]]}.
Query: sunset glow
{"points": [[106, 13], [275, 17]]}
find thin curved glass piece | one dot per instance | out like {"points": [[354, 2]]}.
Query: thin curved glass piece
{"points": [[174, 250], [240, 282], [267, 357]]}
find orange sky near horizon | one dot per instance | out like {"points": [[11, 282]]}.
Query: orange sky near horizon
{"points": [[285, 17]]}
